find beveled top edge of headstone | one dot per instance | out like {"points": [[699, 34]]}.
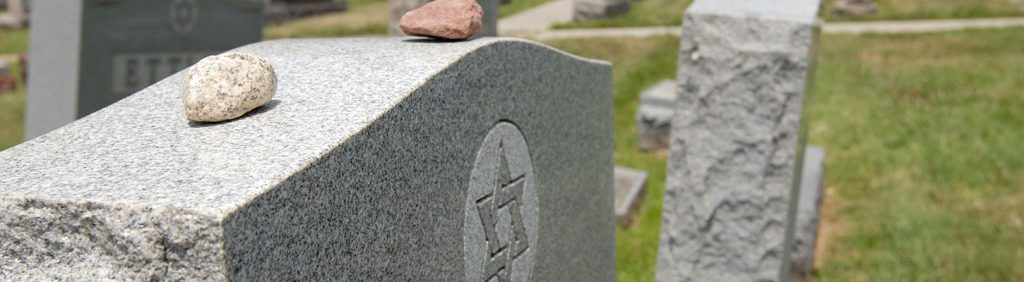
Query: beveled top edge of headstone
{"points": [[143, 152], [799, 11]]}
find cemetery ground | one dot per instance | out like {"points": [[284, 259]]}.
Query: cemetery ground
{"points": [[669, 12], [922, 149]]}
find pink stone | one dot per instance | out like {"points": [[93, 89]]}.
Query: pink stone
{"points": [[446, 19]]}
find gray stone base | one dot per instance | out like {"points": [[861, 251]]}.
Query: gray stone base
{"points": [[630, 187], [592, 10], [808, 212]]}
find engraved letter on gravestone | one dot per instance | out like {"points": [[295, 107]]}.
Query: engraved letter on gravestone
{"points": [[501, 209]]}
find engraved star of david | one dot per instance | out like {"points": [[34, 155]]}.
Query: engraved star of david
{"points": [[508, 195]]}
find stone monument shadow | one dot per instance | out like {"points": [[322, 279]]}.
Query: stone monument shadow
{"points": [[257, 111]]}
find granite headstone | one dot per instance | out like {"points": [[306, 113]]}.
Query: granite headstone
{"points": [[380, 159], [737, 140], [87, 54]]}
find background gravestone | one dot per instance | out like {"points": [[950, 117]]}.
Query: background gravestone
{"points": [[438, 162], [398, 8], [808, 213], [87, 54], [284, 10], [737, 140], [16, 15], [585, 10]]}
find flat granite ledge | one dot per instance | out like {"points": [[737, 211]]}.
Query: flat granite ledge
{"points": [[155, 158]]}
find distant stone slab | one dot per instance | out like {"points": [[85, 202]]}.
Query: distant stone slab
{"points": [[585, 10], [284, 10], [630, 187], [808, 212], [378, 159], [654, 115], [731, 188]]}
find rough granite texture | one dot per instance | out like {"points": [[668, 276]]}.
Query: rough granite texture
{"points": [[736, 140], [808, 212], [225, 87], [446, 19], [357, 170]]}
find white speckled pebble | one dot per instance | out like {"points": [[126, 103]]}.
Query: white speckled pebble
{"points": [[225, 87]]}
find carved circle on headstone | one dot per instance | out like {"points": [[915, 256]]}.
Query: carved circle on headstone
{"points": [[184, 16], [501, 224]]}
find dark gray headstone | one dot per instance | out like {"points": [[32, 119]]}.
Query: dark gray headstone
{"points": [[437, 162], [87, 54], [735, 156]]}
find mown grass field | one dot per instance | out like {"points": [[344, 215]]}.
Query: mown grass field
{"points": [[937, 9], [925, 166], [670, 12], [12, 111], [925, 156], [13, 41]]}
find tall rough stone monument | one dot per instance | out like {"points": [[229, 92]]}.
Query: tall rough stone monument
{"points": [[87, 54], [734, 166], [380, 159], [398, 8]]}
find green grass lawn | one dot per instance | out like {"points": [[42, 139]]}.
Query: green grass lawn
{"points": [[670, 12], [12, 113], [516, 6], [925, 162], [925, 153], [13, 41]]}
